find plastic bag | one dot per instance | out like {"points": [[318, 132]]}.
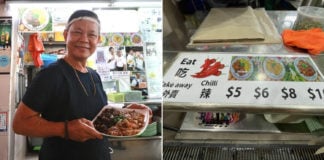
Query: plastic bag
{"points": [[36, 47]]}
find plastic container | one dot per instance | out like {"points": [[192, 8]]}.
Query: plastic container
{"points": [[309, 17], [48, 59]]}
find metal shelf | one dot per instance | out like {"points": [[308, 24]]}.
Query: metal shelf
{"points": [[251, 128]]}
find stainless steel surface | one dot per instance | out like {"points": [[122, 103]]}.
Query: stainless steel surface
{"points": [[185, 151], [136, 148], [317, 3], [250, 129], [248, 123], [282, 20], [297, 109]]}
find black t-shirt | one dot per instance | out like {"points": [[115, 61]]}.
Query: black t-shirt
{"points": [[57, 95]]}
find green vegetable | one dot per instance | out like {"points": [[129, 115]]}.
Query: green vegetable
{"points": [[118, 118]]}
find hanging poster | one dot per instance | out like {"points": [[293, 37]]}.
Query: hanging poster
{"points": [[121, 39], [5, 44], [34, 19]]}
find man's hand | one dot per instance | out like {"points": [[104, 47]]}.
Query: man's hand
{"points": [[82, 130]]}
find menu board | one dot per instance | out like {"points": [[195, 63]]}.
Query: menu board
{"points": [[121, 39], [234, 78]]}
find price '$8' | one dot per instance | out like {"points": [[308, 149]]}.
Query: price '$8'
{"points": [[288, 93]]}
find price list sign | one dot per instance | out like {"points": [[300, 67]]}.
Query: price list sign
{"points": [[244, 79]]}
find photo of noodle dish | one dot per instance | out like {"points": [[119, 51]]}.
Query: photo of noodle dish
{"points": [[121, 122], [117, 39], [274, 68], [241, 68], [305, 69], [136, 39]]}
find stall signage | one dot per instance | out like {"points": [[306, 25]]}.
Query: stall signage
{"points": [[243, 79]]}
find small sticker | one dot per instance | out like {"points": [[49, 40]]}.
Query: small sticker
{"points": [[4, 61], [3, 121]]}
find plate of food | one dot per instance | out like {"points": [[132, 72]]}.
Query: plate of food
{"points": [[241, 68], [274, 68], [121, 122], [136, 39], [117, 39], [305, 69], [35, 19]]}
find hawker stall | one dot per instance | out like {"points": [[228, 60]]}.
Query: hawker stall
{"points": [[241, 91], [130, 30]]}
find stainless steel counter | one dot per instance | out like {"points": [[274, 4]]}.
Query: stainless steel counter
{"points": [[282, 20], [136, 148]]}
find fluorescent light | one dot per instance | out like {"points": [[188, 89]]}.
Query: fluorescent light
{"points": [[86, 5]]}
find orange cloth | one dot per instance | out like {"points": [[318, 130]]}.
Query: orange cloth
{"points": [[312, 40], [36, 47]]}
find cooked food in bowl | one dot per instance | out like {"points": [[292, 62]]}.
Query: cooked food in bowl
{"points": [[118, 39], [120, 122], [136, 39], [305, 69], [241, 68], [274, 68]]}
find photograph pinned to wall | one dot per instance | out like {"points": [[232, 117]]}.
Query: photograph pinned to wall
{"points": [[5, 33], [150, 49], [138, 82], [101, 54], [122, 80], [3, 121], [101, 59], [153, 71], [111, 58], [139, 61], [121, 64], [116, 58], [135, 58]]}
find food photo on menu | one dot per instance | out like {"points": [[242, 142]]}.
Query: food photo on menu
{"points": [[273, 69]]}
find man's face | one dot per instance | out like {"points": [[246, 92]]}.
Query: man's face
{"points": [[131, 52], [119, 53], [82, 38]]}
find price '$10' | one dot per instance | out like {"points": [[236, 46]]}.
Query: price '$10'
{"points": [[315, 93]]}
